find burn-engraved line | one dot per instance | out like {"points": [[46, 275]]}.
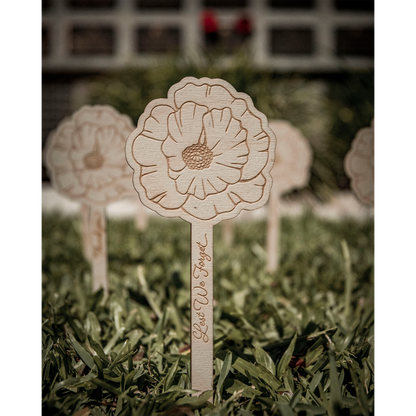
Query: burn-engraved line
{"points": [[215, 145], [228, 125], [189, 187], [227, 166], [148, 173], [157, 196], [216, 190]]}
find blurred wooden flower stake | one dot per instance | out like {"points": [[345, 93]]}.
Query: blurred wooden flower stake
{"points": [[359, 164], [86, 160], [291, 170], [202, 154]]}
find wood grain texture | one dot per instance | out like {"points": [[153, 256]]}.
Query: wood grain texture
{"points": [[359, 164]]}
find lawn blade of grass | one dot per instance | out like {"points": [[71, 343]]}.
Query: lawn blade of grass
{"points": [[147, 293], [335, 387], [284, 361], [315, 381], [243, 389], [247, 369], [285, 410], [99, 366], [106, 386], [92, 326], [264, 359], [82, 353], [171, 375], [97, 348], [312, 356], [195, 401], [224, 372], [113, 340], [359, 390], [295, 398]]}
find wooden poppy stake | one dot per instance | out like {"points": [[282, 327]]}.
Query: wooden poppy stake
{"points": [[202, 154], [86, 161], [291, 170]]}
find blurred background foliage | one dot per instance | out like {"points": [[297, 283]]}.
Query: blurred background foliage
{"points": [[329, 109]]}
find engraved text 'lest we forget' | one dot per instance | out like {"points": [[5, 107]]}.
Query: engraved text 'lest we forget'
{"points": [[201, 293]]}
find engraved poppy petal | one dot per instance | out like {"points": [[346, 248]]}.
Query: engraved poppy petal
{"points": [[171, 149], [212, 96], [160, 188], [96, 196], [238, 107], [84, 137], [58, 158], [68, 182], [365, 184], [185, 125], [147, 150], [249, 191], [107, 139], [185, 180], [156, 125], [228, 174], [210, 207], [359, 165]]}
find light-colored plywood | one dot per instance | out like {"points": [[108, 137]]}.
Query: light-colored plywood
{"points": [[202, 154], [359, 164], [291, 170], [86, 162]]}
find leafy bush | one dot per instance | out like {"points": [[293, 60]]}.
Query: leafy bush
{"points": [[296, 342]]}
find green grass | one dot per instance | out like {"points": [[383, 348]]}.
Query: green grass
{"points": [[297, 342]]}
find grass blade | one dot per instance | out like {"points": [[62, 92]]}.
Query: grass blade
{"points": [[285, 360], [224, 372], [82, 353]]}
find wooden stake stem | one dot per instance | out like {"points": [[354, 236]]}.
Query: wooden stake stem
{"points": [[201, 306], [273, 232], [98, 249], [86, 240]]}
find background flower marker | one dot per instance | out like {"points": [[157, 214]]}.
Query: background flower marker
{"points": [[86, 161], [202, 154], [359, 164], [291, 170]]}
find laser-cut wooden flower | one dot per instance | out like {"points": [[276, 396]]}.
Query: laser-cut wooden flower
{"points": [[204, 153], [86, 158], [86, 161], [359, 164]]}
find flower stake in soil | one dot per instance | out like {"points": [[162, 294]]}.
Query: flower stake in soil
{"points": [[359, 164], [291, 170], [86, 161], [202, 154]]}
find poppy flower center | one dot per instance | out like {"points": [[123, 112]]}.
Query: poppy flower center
{"points": [[93, 160], [197, 157]]}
